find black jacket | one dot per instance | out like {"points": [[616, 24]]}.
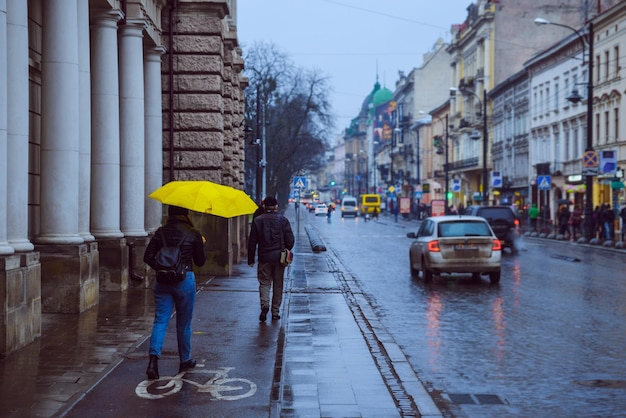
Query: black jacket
{"points": [[265, 232], [191, 250]]}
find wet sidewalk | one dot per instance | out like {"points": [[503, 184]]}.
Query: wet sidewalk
{"points": [[316, 361]]}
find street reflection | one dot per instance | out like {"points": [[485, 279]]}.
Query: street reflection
{"points": [[517, 282], [500, 327], [433, 312]]}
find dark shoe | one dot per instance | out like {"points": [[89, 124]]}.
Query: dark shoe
{"points": [[153, 367], [275, 317], [188, 365], [263, 315]]}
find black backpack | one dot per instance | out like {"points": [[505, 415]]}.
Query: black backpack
{"points": [[170, 268]]}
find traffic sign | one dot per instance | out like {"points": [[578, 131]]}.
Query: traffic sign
{"points": [[299, 182], [590, 159], [543, 182], [590, 171]]}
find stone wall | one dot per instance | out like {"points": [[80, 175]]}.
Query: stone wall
{"points": [[203, 104], [20, 291]]}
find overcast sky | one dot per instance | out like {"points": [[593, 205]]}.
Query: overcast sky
{"points": [[350, 41]]}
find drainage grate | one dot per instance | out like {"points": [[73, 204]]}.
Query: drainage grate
{"points": [[566, 258], [475, 399], [604, 383], [489, 399]]}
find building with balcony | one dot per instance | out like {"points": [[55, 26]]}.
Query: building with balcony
{"points": [[490, 46]]}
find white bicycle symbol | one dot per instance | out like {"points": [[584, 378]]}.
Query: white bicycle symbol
{"points": [[237, 388]]}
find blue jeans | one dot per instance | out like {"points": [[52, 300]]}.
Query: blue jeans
{"points": [[167, 297], [607, 231]]}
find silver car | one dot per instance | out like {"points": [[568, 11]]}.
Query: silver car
{"points": [[455, 244]]}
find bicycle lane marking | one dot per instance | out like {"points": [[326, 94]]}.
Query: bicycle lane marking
{"points": [[216, 385]]}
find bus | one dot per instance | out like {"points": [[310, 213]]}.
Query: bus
{"points": [[368, 203]]}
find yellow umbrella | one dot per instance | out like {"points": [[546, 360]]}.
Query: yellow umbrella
{"points": [[205, 197]]}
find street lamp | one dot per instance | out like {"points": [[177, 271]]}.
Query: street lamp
{"points": [[483, 103], [575, 98]]}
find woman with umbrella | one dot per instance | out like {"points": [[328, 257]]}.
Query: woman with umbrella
{"points": [[178, 231]]}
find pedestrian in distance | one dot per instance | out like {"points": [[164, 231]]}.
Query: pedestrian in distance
{"points": [[563, 218], [576, 221], [270, 233], [533, 215], [597, 223], [395, 209], [622, 214], [607, 217], [179, 296]]}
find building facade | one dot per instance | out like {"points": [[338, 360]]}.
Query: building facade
{"points": [[101, 102]]}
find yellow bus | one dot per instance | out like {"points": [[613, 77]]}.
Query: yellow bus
{"points": [[368, 203]]}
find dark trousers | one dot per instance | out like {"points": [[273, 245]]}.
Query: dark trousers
{"points": [[271, 275]]}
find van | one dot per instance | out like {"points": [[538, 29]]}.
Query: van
{"points": [[369, 203], [349, 206]]}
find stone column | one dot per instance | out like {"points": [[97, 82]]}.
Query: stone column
{"points": [[132, 129], [105, 127], [5, 248], [59, 127], [68, 265], [154, 135], [17, 164], [20, 274], [84, 122]]}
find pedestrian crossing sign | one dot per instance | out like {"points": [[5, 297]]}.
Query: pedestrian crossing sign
{"points": [[543, 182], [299, 182]]}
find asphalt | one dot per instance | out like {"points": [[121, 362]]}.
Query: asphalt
{"points": [[326, 357]]}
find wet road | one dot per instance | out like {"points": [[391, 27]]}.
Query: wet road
{"points": [[548, 341]]}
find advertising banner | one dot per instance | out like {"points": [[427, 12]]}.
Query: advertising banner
{"points": [[384, 123], [405, 205], [438, 207]]}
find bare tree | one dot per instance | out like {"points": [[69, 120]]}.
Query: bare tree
{"points": [[297, 116]]}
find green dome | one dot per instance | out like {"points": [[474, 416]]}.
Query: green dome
{"points": [[382, 96]]}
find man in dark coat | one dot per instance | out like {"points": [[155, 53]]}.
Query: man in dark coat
{"points": [[270, 232]]}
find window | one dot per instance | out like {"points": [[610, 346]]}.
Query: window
{"points": [[607, 65], [616, 121], [606, 127], [575, 142], [463, 229], [556, 96], [616, 63], [557, 151]]}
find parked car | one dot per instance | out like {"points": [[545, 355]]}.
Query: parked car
{"points": [[455, 244], [321, 209], [504, 221]]}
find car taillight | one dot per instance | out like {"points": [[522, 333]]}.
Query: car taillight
{"points": [[497, 246], [433, 247], [516, 223]]}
